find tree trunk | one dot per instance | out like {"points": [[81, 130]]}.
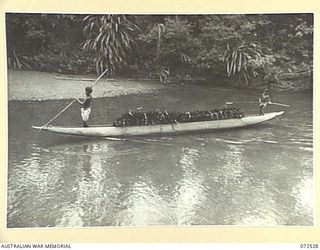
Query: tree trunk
{"points": [[160, 27]]}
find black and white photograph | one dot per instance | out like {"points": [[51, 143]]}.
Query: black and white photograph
{"points": [[148, 120]]}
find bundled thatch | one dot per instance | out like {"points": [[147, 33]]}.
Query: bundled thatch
{"points": [[140, 118]]}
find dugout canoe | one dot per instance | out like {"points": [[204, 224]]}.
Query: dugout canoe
{"points": [[110, 131]]}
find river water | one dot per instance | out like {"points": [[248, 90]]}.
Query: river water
{"points": [[261, 176]]}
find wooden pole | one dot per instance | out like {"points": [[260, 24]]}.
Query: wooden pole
{"points": [[57, 115], [271, 103]]}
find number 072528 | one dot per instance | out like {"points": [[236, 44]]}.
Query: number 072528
{"points": [[310, 246]]}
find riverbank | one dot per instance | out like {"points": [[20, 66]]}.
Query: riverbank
{"points": [[37, 86], [32, 85]]}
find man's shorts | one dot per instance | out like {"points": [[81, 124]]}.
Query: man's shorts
{"points": [[263, 104], [85, 114]]}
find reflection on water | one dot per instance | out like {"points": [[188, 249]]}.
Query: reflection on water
{"points": [[144, 206], [190, 193], [256, 176], [303, 192]]}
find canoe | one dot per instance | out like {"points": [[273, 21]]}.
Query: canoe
{"points": [[110, 131]]}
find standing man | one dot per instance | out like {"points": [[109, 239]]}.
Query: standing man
{"points": [[264, 100], [86, 106]]}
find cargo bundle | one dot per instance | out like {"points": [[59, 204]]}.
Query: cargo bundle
{"points": [[143, 118]]}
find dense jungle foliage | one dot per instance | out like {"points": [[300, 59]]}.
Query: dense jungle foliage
{"points": [[247, 49]]}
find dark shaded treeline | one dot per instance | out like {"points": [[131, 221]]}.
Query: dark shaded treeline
{"points": [[251, 49]]}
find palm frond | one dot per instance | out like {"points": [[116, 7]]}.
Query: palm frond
{"points": [[110, 37], [244, 60]]}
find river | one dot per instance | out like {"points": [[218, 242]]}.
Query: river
{"points": [[260, 176]]}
